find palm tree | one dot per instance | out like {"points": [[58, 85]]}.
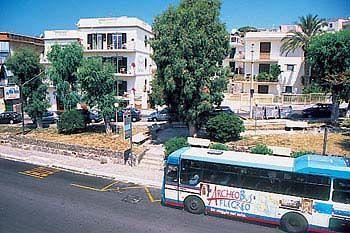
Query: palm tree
{"points": [[310, 26]]}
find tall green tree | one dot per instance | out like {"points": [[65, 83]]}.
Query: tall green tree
{"points": [[329, 56], [64, 64], [24, 64], [310, 26], [98, 87], [189, 46]]}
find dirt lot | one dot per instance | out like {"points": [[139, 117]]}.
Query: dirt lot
{"points": [[338, 144], [94, 137]]}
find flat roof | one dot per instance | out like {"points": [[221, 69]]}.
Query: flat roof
{"points": [[337, 167], [123, 21]]}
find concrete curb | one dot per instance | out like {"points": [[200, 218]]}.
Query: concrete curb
{"points": [[88, 172]]}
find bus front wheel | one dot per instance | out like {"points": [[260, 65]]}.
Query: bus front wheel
{"points": [[294, 223], [194, 205]]}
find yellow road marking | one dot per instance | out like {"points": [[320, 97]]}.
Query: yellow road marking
{"points": [[39, 172], [103, 189], [86, 187], [150, 196], [108, 186]]}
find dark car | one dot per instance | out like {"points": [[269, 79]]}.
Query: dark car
{"points": [[162, 115], [221, 109], [321, 111], [135, 114], [50, 117], [95, 117], [10, 118], [90, 116]]}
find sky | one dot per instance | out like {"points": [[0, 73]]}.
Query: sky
{"points": [[32, 17]]}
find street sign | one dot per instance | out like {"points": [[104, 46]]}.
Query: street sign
{"points": [[11, 93], [127, 124]]}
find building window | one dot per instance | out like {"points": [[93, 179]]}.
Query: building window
{"points": [[263, 89], [120, 63], [233, 39], [116, 41], [264, 68], [96, 41], [290, 67], [288, 89], [265, 47], [145, 63], [232, 66], [146, 41]]}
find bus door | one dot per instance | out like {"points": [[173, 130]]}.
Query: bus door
{"points": [[171, 189]]}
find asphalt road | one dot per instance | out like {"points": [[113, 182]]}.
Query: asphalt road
{"points": [[67, 202]]}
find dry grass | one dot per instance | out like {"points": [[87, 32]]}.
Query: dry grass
{"points": [[338, 144], [94, 137]]}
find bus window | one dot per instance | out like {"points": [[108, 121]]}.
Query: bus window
{"points": [[190, 172], [341, 191], [172, 174]]}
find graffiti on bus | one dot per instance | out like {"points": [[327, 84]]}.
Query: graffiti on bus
{"points": [[229, 198]]}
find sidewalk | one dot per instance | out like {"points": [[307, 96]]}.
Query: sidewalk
{"points": [[125, 173]]}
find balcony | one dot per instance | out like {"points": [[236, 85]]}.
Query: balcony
{"points": [[125, 47]]}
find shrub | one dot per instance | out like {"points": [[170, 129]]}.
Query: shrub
{"points": [[313, 88], [218, 146], [297, 154], [224, 127], [261, 149], [174, 144], [71, 121]]}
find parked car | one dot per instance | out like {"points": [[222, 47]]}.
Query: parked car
{"points": [[50, 117], [321, 111], [10, 118], [135, 114], [90, 116], [221, 109], [162, 115], [95, 117]]}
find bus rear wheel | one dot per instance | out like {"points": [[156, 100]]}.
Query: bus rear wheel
{"points": [[294, 223], [194, 205]]}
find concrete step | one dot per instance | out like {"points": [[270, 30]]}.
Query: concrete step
{"points": [[153, 162], [158, 167]]}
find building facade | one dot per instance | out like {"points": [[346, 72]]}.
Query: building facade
{"points": [[10, 43], [255, 53], [122, 41]]}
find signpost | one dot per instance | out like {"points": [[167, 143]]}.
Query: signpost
{"points": [[127, 133]]}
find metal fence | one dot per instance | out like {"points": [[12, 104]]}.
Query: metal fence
{"points": [[284, 99]]}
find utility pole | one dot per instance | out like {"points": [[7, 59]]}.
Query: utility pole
{"points": [[325, 138], [21, 96], [251, 84], [22, 110]]}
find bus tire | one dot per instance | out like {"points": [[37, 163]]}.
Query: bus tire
{"points": [[294, 223], [194, 205]]}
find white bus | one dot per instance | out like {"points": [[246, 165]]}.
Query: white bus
{"points": [[309, 193]]}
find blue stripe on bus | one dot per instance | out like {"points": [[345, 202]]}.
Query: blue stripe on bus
{"points": [[323, 208]]}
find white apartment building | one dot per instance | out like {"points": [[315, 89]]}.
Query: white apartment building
{"points": [[254, 54], [122, 41]]}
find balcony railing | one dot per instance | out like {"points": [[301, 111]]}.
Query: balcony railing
{"points": [[112, 47]]}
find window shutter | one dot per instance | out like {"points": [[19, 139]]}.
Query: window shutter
{"points": [[89, 40], [123, 38]]}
